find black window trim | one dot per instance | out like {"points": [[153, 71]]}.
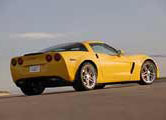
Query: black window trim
{"points": [[74, 43]]}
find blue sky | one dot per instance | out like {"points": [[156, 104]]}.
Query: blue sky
{"points": [[137, 26]]}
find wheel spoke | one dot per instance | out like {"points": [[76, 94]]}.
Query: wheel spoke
{"points": [[88, 82], [152, 74], [146, 68], [91, 79], [144, 74], [148, 78]]}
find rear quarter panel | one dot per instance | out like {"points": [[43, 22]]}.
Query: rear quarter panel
{"points": [[73, 61]]}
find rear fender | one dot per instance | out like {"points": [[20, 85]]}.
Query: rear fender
{"points": [[75, 61]]}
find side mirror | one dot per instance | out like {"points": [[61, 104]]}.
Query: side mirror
{"points": [[120, 52]]}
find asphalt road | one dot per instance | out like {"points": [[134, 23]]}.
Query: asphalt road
{"points": [[118, 102]]}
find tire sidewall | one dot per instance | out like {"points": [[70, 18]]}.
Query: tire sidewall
{"points": [[30, 90]]}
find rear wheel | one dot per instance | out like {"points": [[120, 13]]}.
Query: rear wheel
{"points": [[148, 73], [86, 77], [32, 88]]}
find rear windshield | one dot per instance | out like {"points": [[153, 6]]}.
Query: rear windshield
{"points": [[66, 47]]}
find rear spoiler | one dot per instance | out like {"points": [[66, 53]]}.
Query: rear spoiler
{"points": [[30, 54]]}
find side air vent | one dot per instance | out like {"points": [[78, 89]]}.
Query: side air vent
{"points": [[132, 68]]}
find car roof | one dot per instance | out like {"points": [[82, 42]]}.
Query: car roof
{"points": [[93, 41]]}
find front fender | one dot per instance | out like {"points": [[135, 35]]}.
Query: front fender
{"points": [[140, 60]]}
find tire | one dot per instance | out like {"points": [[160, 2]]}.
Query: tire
{"points": [[32, 88], [100, 86], [86, 77], [148, 73]]}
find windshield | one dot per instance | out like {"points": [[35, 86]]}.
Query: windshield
{"points": [[66, 47]]}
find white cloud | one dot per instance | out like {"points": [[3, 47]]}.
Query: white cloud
{"points": [[41, 35]]}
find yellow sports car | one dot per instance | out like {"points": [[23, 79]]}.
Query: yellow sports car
{"points": [[84, 65]]}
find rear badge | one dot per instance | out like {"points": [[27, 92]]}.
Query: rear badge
{"points": [[71, 59]]}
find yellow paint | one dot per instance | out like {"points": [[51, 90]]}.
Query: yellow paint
{"points": [[110, 68]]}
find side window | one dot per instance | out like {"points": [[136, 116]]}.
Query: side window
{"points": [[77, 47], [66, 47], [103, 48]]}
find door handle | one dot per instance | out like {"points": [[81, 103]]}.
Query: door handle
{"points": [[97, 56]]}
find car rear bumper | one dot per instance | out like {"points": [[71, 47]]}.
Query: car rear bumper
{"points": [[53, 81]]}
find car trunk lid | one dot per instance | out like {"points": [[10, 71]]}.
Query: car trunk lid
{"points": [[34, 59]]}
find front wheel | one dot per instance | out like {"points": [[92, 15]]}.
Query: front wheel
{"points": [[32, 88], [86, 77], [148, 73]]}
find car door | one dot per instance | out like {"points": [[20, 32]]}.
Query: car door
{"points": [[115, 68]]}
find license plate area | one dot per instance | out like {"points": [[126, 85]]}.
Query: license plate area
{"points": [[35, 68]]}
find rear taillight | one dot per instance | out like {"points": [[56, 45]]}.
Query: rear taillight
{"points": [[57, 57], [20, 61], [14, 62], [48, 58]]}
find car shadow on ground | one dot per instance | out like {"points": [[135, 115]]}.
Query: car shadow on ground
{"points": [[107, 87], [64, 92], [111, 86]]}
